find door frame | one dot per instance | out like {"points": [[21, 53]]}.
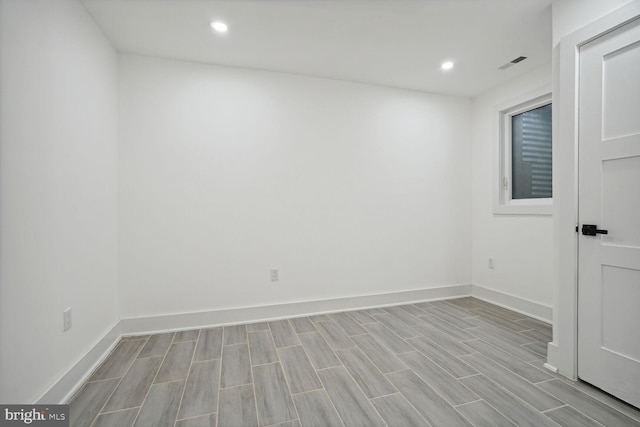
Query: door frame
{"points": [[562, 354]]}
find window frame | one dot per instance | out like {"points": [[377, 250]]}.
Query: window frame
{"points": [[503, 203]]}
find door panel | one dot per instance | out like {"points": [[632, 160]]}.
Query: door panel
{"points": [[620, 112], [620, 297], [609, 196], [620, 213]]}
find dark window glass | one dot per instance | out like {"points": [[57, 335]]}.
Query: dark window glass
{"points": [[531, 154]]}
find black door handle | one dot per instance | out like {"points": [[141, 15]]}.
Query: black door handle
{"points": [[592, 230]]}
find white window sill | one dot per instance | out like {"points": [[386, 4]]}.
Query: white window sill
{"points": [[524, 209]]}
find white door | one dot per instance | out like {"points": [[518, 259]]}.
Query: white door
{"points": [[609, 198]]}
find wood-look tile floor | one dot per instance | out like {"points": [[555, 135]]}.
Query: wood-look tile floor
{"points": [[448, 363]]}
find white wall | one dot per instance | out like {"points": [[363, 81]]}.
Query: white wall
{"points": [[348, 189], [571, 15], [58, 191], [520, 245]]}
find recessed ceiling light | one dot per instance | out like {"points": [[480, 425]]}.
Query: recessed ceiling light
{"points": [[220, 27], [447, 65]]}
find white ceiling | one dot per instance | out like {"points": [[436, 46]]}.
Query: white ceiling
{"points": [[388, 42]]}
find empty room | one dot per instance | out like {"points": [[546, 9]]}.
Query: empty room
{"points": [[319, 213]]}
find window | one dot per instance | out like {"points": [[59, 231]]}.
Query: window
{"points": [[525, 143]]}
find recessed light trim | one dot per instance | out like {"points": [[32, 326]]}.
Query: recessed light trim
{"points": [[219, 26], [447, 65]]}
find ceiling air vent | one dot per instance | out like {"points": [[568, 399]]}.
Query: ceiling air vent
{"points": [[512, 63]]}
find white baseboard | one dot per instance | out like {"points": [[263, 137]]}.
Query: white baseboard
{"points": [[184, 321], [562, 361], [530, 308], [65, 387], [68, 384]]}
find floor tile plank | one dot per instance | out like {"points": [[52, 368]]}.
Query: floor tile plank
{"points": [[403, 315], [362, 317], [262, 348], [396, 325], [505, 345], [259, 326], [515, 384], [441, 381], [316, 410], [464, 303], [569, 417], [413, 310], [202, 421], [427, 401], [538, 348], [191, 335], [503, 333], [298, 370], [283, 334], [157, 345], [235, 334], [364, 372], [388, 338], [348, 325], [176, 363], [236, 367], [319, 318], [237, 407], [497, 310], [446, 327], [397, 411], [510, 362], [135, 384], [382, 357], [443, 340], [510, 406], [117, 419], [273, 398], [201, 391], [537, 335], [319, 352], [500, 320], [118, 362], [354, 408], [161, 406], [424, 305], [530, 323], [293, 423], [618, 405], [334, 336], [446, 305], [481, 414], [302, 325], [454, 320], [586, 404], [209, 345], [443, 358], [89, 400]]}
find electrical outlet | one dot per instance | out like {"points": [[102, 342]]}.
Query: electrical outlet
{"points": [[492, 264], [66, 318], [275, 275]]}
